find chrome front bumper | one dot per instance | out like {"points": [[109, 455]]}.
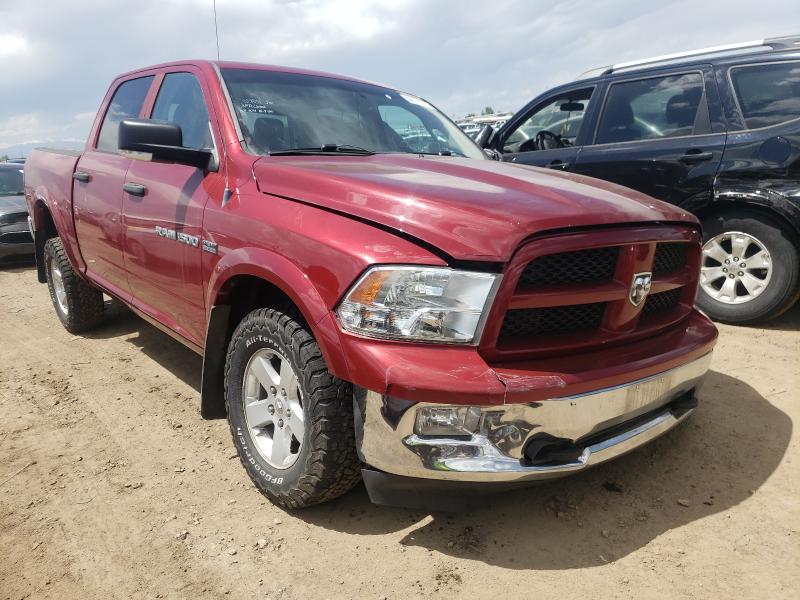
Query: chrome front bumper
{"points": [[600, 425]]}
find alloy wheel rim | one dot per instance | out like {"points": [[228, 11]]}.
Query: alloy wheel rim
{"points": [[736, 267], [58, 286], [273, 408]]}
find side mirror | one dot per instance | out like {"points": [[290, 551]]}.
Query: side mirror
{"points": [[484, 136], [151, 139]]}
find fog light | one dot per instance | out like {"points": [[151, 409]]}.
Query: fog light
{"points": [[447, 421]]}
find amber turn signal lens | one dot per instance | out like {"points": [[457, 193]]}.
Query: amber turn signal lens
{"points": [[368, 288]]}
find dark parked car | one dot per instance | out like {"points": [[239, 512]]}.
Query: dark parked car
{"points": [[715, 131], [15, 236]]}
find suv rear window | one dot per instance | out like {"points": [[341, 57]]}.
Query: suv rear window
{"points": [[656, 107], [767, 94]]}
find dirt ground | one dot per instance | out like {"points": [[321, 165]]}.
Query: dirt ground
{"points": [[112, 486]]}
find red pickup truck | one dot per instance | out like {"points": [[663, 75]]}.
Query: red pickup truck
{"points": [[371, 294]]}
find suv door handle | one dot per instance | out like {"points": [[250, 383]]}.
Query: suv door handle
{"points": [[693, 156], [134, 189], [557, 164], [81, 176]]}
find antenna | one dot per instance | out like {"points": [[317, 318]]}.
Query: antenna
{"points": [[216, 29], [227, 193]]}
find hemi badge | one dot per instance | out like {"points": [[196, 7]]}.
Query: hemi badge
{"points": [[210, 247]]}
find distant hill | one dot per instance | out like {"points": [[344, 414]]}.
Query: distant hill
{"points": [[23, 150]]}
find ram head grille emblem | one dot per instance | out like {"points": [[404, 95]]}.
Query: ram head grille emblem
{"points": [[640, 287]]}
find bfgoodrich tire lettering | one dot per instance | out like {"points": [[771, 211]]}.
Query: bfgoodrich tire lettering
{"points": [[79, 306], [783, 286], [326, 464]]}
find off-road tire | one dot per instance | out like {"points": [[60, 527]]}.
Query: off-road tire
{"points": [[84, 302], [783, 289], [327, 465]]}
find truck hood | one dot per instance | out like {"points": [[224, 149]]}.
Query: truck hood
{"points": [[469, 209]]}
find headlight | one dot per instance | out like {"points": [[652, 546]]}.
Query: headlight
{"points": [[419, 303]]}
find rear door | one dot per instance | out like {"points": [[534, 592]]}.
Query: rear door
{"points": [[163, 214], [549, 132], [97, 191], [762, 101], [659, 134]]}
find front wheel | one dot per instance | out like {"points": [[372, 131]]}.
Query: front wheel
{"points": [[750, 269], [291, 420]]}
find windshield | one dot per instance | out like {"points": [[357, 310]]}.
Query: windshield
{"points": [[278, 112], [11, 182]]}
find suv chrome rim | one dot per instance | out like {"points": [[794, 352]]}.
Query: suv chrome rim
{"points": [[273, 408], [736, 267], [58, 286]]}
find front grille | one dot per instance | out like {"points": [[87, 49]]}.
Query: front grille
{"points": [[12, 218], [590, 266], [661, 302], [572, 292], [669, 258], [524, 323], [19, 237]]}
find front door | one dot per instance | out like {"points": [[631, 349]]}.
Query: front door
{"points": [[659, 135], [163, 213], [547, 134]]}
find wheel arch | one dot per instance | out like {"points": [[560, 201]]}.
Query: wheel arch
{"points": [[44, 228], [248, 279], [773, 205]]}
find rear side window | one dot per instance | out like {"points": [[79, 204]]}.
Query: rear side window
{"points": [[180, 100], [767, 94], [657, 107], [125, 104]]}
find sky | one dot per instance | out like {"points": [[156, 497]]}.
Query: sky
{"points": [[58, 56]]}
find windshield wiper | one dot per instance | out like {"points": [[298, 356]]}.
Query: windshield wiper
{"points": [[440, 153], [324, 149]]}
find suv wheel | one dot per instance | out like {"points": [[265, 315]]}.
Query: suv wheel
{"points": [[291, 420], [79, 306], [750, 268]]}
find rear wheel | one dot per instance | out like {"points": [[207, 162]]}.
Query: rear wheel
{"points": [[79, 306], [750, 270], [291, 420]]}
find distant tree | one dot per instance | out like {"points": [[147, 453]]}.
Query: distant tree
{"points": [[3, 157], [488, 111], [469, 115]]}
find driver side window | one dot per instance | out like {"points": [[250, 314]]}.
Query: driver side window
{"points": [[553, 125]]}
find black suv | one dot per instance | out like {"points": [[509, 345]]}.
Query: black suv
{"points": [[715, 131]]}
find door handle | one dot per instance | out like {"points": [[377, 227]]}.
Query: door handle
{"points": [[81, 176], [693, 156], [557, 164], [134, 189]]}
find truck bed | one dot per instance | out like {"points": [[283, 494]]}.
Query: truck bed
{"points": [[48, 177]]}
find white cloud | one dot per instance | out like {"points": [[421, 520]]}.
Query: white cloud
{"points": [[12, 44], [17, 128]]}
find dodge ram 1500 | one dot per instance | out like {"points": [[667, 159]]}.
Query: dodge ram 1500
{"points": [[371, 294]]}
